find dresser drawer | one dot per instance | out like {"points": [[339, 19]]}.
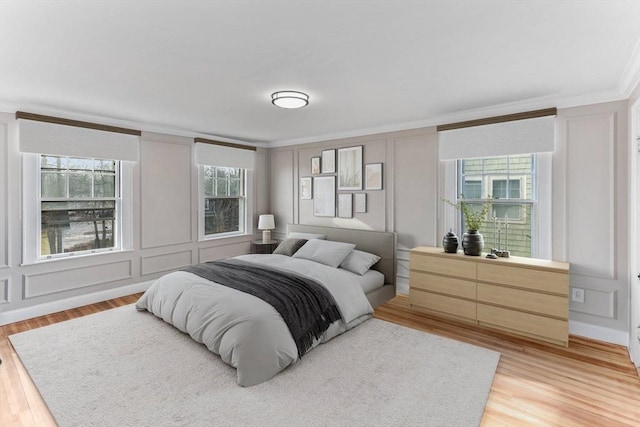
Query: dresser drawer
{"points": [[444, 285], [545, 328], [540, 280], [443, 304], [443, 265], [549, 305]]}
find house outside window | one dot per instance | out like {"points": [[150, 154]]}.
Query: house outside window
{"points": [[224, 201], [510, 182], [79, 206]]}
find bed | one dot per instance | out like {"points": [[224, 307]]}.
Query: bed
{"points": [[262, 313], [380, 243]]}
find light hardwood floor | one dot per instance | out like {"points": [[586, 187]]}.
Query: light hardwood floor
{"points": [[589, 383]]}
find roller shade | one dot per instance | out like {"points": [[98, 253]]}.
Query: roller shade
{"points": [[219, 155], [500, 139], [56, 139]]}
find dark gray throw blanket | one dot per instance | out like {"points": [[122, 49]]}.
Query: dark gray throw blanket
{"points": [[306, 306]]}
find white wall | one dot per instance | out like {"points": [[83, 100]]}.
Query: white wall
{"points": [[164, 228], [589, 215]]}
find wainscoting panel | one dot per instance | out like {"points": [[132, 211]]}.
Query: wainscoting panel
{"points": [[597, 303], [402, 267], [402, 285], [226, 251], [165, 262], [4, 291], [4, 194], [414, 192], [590, 195], [36, 285], [282, 189], [165, 205]]}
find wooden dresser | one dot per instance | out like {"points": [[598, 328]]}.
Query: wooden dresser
{"points": [[522, 296]]}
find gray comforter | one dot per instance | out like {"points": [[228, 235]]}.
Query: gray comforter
{"points": [[245, 331]]}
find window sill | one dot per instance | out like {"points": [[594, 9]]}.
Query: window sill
{"points": [[72, 257], [240, 236]]}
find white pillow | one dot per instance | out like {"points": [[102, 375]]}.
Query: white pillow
{"points": [[359, 262], [308, 236], [324, 251]]}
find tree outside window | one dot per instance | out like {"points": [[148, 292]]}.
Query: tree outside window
{"points": [[79, 201], [224, 200]]}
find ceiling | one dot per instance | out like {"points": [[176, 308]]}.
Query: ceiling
{"points": [[208, 68]]}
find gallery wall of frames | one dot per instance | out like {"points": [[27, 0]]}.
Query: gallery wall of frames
{"points": [[382, 182]]}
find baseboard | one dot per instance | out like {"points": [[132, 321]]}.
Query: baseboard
{"points": [[73, 302], [599, 333]]}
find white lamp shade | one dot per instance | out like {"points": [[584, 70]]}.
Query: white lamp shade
{"points": [[266, 222]]}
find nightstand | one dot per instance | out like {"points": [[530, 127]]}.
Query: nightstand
{"points": [[265, 246]]}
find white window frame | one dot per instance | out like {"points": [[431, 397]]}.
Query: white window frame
{"points": [[31, 224], [448, 217], [522, 218], [246, 226]]}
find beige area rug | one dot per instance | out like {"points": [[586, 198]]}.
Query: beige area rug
{"points": [[127, 368]]}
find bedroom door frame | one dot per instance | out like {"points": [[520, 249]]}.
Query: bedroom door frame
{"points": [[634, 229]]}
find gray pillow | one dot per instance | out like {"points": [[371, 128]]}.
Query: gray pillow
{"points": [[359, 262], [325, 251], [289, 247]]}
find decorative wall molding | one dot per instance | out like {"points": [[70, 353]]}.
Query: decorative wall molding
{"points": [[402, 268], [597, 303], [165, 193], [225, 251], [73, 302], [4, 196], [4, 291], [403, 253], [630, 78], [402, 286], [40, 284], [586, 209], [165, 262]]}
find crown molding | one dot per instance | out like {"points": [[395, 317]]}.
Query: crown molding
{"points": [[467, 115], [460, 116], [631, 75], [12, 108]]}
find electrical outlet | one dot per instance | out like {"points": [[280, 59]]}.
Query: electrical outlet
{"points": [[577, 295]]}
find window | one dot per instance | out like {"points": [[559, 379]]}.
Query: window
{"points": [[79, 205], [509, 181], [224, 206]]}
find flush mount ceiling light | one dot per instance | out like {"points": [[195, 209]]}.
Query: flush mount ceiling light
{"points": [[289, 99]]}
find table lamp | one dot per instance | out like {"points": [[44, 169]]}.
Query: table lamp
{"points": [[266, 223]]}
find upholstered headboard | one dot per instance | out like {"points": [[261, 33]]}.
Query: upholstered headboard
{"points": [[380, 243]]}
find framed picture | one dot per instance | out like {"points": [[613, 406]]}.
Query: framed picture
{"points": [[373, 176], [350, 168], [324, 202], [315, 165], [345, 208], [329, 161], [360, 203], [306, 188]]}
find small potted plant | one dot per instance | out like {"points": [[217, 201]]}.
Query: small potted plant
{"points": [[472, 241]]}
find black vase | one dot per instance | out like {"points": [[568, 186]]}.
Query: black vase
{"points": [[472, 243], [450, 242]]}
